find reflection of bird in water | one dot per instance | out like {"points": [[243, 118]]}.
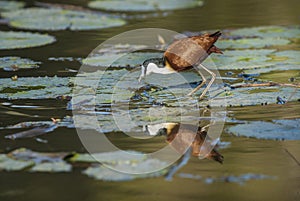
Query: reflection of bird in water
{"points": [[186, 140], [184, 54], [186, 136]]}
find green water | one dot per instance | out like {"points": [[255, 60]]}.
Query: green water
{"points": [[245, 155]]}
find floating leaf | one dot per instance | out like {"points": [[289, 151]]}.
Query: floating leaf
{"points": [[268, 31], [242, 59], [16, 63], [285, 129], [144, 5], [109, 157], [255, 96], [251, 43], [59, 19], [17, 40], [29, 155], [120, 60], [9, 164], [106, 174], [11, 5], [288, 56], [34, 87], [279, 67], [52, 167]]}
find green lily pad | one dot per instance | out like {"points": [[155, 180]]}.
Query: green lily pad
{"points": [[255, 96], [52, 167], [245, 43], [268, 31], [120, 60], [37, 157], [16, 63], [285, 129], [104, 173], [11, 5], [43, 162], [59, 19], [279, 67], [34, 87], [144, 5], [9, 164], [288, 56], [108, 157], [242, 59], [17, 40]]}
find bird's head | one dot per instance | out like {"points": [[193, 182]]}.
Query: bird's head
{"points": [[147, 70], [160, 129]]}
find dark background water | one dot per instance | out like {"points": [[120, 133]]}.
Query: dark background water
{"points": [[243, 156]]}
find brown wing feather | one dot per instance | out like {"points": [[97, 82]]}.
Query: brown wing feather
{"points": [[184, 53]]}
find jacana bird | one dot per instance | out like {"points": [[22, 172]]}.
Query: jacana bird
{"points": [[186, 136], [184, 54]]}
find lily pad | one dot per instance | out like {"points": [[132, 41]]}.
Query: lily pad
{"points": [[242, 59], [17, 40], [288, 56], [280, 67], [120, 60], [144, 5], [37, 157], [59, 19], [245, 43], [16, 63], [34, 87], [103, 173], [9, 164], [255, 59], [268, 31], [11, 5], [285, 129], [109, 157], [52, 167]]}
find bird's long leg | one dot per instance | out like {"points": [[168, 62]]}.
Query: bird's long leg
{"points": [[213, 78], [199, 86]]}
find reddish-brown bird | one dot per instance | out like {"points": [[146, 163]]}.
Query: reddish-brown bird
{"points": [[184, 136], [184, 54]]}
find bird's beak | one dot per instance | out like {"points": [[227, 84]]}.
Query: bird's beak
{"points": [[143, 73], [141, 78]]}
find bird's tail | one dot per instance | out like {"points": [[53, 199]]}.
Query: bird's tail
{"points": [[216, 34]]}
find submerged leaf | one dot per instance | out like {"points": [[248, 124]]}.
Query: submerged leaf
{"points": [[33, 132], [144, 5], [17, 40], [59, 19]]}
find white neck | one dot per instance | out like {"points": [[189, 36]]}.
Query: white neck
{"points": [[152, 68]]}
